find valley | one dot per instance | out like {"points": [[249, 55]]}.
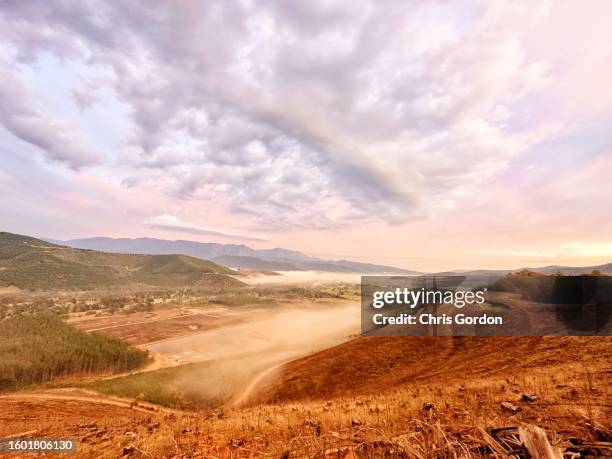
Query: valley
{"points": [[271, 364]]}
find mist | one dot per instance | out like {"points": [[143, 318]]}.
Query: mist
{"points": [[312, 278], [227, 362]]}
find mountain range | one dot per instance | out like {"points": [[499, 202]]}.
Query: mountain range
{"points": [[238, 256], [231, 255]]}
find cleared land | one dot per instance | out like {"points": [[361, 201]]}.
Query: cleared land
{"points": [[148, 328], [367, 365], [471, 409], [101, 429]]}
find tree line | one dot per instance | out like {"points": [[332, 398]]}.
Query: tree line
{"points": [[35, 349]]}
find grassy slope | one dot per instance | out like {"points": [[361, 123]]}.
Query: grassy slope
{"points": [[38, 349], [173, 387], [372, 364], [30, 263], [366, 398], [193, 386]]}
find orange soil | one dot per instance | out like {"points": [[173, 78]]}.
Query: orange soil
{"points": [[378, 364]]}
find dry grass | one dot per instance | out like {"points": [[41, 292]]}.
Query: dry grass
{"points": [[399, 423], [441, 417], [374, 364]]}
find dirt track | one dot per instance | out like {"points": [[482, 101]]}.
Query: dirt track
{"points": [[86, 396], [247, 393]]}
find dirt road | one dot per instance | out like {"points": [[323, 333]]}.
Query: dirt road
{"points": [[245, 395], [86, 396]]}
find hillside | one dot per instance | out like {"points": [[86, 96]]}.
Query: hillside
{"points": [[367, 364], [370, 398], [38, 349], [293, 259], [574, 270], [234, 261], [566, 270], [33, 264]]}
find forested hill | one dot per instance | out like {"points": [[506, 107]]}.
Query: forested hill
{"points": [[33, 264], [38, 349]]}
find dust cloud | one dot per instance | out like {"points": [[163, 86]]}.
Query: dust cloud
{"points": [[235, 355]]}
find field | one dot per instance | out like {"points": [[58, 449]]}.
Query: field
{"points": [[152, 326]]}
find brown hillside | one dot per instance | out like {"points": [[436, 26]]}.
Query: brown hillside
{"points": [[380, 364]]}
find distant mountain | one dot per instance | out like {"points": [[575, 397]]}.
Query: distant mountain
{"points": [[206, 251], [573, 270], [475, 272], [291, 260], [284, 254], [567, 270], [234, 261], [34, 264]]}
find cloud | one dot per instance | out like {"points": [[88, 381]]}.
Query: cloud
{"points": [[23, 116], [173, 224], [315, 115]]}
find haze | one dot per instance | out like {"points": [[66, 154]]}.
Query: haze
{"points": [[237, 353]]}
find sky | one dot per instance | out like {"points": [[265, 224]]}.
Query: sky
{"points": [[428, 134]]}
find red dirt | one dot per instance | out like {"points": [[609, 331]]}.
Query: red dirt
{"points": [[377, 364]]}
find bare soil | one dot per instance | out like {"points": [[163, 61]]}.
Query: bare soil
{"points": [[370, 397], [147, 328]]}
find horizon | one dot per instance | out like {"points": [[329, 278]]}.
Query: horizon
{"points": [[455, 269], [484, 144]]}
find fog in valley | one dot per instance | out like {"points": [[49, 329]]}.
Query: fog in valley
{"points": [[313, 278], [228, 361]]}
